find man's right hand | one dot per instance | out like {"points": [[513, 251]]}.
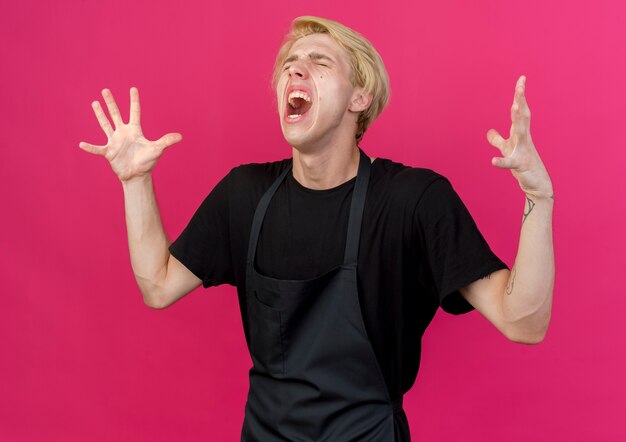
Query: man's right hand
{"points": [[130, 154]]}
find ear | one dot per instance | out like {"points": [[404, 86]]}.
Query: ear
{"points": [[360, 100]]}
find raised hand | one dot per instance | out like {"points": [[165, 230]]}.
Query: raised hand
{"points": [[518, 151], [128, 151]]}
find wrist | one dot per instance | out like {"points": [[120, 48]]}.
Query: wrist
{"points": [[545, 195], [138, 180], [544, 192]]}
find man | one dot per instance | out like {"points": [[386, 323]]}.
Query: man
{"points": [[340, 260]]}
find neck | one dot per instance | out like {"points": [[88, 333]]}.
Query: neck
{"points": [[327, 167]]}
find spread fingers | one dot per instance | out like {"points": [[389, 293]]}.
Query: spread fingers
{"points": [[135, 109], [102, 119], [97, 150], [113, 110], [520, 112]]}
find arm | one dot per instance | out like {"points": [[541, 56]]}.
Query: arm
{"points": [[519, 302], [161, 278]]}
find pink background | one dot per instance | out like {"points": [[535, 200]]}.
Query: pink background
{"points": [[82, 358]]}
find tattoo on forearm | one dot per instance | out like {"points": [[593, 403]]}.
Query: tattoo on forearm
{"points": [[509, 287], [531, 204]]}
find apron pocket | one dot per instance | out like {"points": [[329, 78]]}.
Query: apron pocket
{"points": [[266, 344]]}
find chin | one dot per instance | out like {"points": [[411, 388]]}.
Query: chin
{"points": [[297, 139], [299, 145]]}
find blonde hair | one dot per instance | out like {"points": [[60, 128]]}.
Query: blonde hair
{"points": [[367, 68]]}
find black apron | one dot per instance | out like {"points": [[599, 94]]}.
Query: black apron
{"points": [[315, 376]]}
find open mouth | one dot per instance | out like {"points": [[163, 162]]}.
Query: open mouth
{"points": [[298, 104]]}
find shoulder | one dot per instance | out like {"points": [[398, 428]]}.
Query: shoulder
{"points": [[406, 182], [256, 175]]}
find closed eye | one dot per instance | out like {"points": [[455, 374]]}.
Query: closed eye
{"points": [[320, 64]]}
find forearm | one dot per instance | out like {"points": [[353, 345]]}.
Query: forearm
{"points": [[147, 241], [527, 301]]}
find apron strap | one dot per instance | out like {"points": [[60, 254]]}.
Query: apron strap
{"points": [[259, 214], [356, 209], [354, 221]]}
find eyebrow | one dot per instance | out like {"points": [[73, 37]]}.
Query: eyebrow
{"points": [[312, 56]]}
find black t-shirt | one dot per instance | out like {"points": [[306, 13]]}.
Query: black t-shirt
{"points": [[418, 246]]}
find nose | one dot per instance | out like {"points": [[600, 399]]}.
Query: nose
{"points": [[297, 70]]}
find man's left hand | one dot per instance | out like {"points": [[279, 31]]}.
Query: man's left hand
{"points": [[518, 151]]}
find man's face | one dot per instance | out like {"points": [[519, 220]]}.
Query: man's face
{"points": [[314, 93]]}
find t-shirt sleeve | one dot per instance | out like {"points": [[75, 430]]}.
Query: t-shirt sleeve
{"points": [[457, 253], [204, 245]]}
